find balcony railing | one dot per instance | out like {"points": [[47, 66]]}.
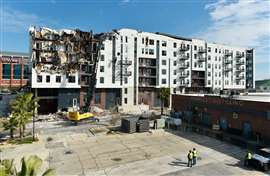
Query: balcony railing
{"points": [[201, 59], [143, 64], [227, 54], [183, 57], [183, 75], [227, 69], [238, 62], [128, 73], [239, 69], [125, 62], [183, 66], [227, 62], [239, 55], [183, 84], [239, 77], [202, 50], [183, 48], [147, 75]]}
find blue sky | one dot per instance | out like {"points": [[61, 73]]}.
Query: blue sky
{"points": [[240, 23]]}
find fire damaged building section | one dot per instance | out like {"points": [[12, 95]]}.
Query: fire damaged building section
{"points": [[63, 61]]}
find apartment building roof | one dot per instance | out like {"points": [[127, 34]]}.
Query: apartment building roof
{"points": [[11, 53], [174, 36]]}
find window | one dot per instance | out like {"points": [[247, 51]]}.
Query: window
{"points": [[163, 81], [125, 99], [164, 53], [219, 82], [174, 53], [71, 79], [97, 97], [58, 79], [126, 39], [163, 71], [17, 71], [195, 56], [164, 43], [209, 73], [142, 40], [163, 62], [209, 49], [209, 66], [6, 71], [219, 74], [219, 58], [101, 68], [195, 47], [219, 50], [126, 80], [101, 80], [102, 58], [48, 78], [126, 90], [174, 63], [209, 57], [216, 50], [151, 51], [151, 42], [174, 72], [39, 78], [195, 64], [215, 58], [25, 71], [187, 55], [102, 47], [174, 81], [146, 51], [142, 50], [209, 82], [174, 45]]}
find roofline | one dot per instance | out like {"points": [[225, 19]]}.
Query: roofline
{"points": [[174, 36], [11, 53]]}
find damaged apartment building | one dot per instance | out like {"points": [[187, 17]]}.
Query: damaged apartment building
{"points": [[127, 67], [134, 65], [63, 68]]}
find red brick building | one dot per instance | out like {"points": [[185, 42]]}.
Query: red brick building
{"points": [[249, 119], [14, 70]]}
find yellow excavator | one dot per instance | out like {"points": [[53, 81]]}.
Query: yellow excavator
{"points": [[76, 116]]}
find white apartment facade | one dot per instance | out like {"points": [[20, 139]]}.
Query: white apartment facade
{"points": [[133, 65]]}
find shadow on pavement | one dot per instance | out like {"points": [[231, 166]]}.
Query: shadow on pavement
{"points": [[178, 162]]}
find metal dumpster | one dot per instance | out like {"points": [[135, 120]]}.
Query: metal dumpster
{"points": [[129, 124], [143, 124]]}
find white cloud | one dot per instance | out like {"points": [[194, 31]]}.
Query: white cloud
{"points": [[18, 21], [242, 23]]}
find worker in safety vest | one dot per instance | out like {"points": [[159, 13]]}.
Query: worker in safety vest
{"points": [[194, 156], [190, 157], [247, 158]]}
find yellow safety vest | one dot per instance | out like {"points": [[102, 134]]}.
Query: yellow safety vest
{"points": [[195, 153], [249, 156], [190, 155]]}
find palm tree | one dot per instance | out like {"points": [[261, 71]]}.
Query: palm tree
{"points": [[11, 125], [23, 108], [164, 94], [29, 167]]}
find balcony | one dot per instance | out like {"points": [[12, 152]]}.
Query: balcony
{"points": [[201, 59], [202, 50], [127, 73], [145, 64], [147, 75], [125, 62], [183, 57], [227, 69], [238, 77], [227, 62], [183, 84], [239, 69], [183, 75], [239, 62], [183, 48], [239, 55], [183, 66], [227, 54]]}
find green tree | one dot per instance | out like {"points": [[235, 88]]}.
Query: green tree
{"points": [[29, 167], [164, 94], [11, 124], [23, 108]]}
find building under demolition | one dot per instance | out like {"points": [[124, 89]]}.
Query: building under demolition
{"points": [[63, 67]]}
